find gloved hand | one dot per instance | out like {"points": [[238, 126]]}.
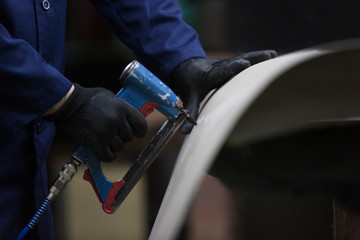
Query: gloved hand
{"points": [[194, 78], [98, 119]]}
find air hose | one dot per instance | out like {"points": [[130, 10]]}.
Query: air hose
{"points": [[65, 176]]}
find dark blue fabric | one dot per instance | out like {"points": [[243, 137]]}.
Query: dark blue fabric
{"points": [[31, 78], [154, 30]]}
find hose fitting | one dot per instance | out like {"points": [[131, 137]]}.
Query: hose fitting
{"points": [[65, 176]]}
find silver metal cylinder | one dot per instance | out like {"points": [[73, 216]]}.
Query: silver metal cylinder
{"points": [[65, 176]]}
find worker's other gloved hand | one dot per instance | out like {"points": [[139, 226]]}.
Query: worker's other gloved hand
{"points": [[98, 119], [194, 78]]}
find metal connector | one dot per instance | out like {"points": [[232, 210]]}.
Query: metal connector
{"points": [[65, 176]]}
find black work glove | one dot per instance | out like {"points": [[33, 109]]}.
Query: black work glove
{"points": [[194, 78], [98, 119]]}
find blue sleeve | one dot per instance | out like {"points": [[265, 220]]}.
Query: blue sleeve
{"points": [[29, 86], [154, 30]]}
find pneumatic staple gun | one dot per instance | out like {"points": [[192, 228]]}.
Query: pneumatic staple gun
{"points": [[145, 92]]}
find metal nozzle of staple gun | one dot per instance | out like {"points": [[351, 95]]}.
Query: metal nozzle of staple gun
{"points": [[186, 113]]}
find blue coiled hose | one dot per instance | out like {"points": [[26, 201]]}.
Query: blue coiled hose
{"points": [[44, 206]]}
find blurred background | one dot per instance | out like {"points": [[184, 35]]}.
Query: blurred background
{"points": [[95, 57]]}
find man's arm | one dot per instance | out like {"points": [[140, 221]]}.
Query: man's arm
{"points": [[29, 86], [154, 31], [57, 105]]}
